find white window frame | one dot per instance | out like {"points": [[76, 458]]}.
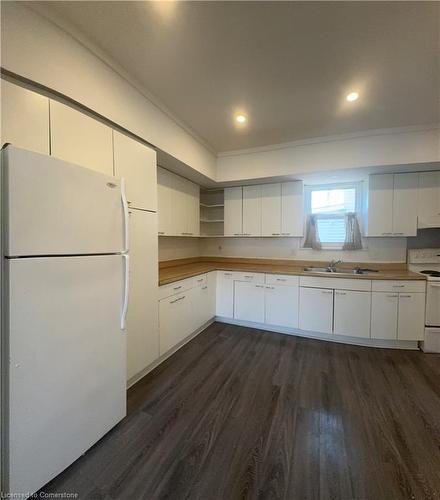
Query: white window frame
{"points": [[358, 186]]}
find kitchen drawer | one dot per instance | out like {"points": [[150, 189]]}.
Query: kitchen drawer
{"points": [[398, 286], [359, 285], [250, 277], [200, 280], [176, 287], [282, 279]]}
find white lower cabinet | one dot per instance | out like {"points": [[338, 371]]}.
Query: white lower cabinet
{"points": [[175, 319], [384, 311], [249, 301], [411, 318], [316, 309], [225, 294], [352, 310], [281, 305]]}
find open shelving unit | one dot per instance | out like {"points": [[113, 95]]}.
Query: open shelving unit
{"points": [[212, 210]]}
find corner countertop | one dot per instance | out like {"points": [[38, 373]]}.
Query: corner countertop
{"points": [[171, 271]]}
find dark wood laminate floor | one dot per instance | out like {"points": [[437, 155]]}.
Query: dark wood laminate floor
{"points": [[240, 413]]}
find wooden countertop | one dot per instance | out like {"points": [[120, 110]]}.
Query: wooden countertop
{"points": [[171, 271]]}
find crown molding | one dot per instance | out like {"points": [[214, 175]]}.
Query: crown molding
{"points": [[79, 36], [331, 138]]}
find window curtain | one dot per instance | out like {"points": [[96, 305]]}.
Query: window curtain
{"points": [[353, 239], [312, 234]]}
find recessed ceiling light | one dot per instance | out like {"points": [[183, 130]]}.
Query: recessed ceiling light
{"points": [[352, 96], [240, 119]]}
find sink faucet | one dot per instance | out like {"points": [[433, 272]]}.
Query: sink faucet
{"points": [[333, 264]]}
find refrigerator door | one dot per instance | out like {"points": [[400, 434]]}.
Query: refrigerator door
{"points": [[57, 208], [67, 362]]}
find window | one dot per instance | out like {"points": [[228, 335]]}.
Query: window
{"points": [[330, 203]]}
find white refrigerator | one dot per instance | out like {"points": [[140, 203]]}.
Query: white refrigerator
{"points": [[64, 301]]}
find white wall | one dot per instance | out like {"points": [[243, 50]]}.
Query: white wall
{"points": [[35, 48], [390, 147], [171, 248], [376, 249]]}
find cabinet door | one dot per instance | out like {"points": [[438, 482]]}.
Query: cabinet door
{"points": [[249, 302], [192, 209], [405, 204], [292, 209], [225, 294], [252, 210], [316, 309], [175, 321], [233, 211], [142, 317], [411, 319], [179, 206], [164, 201], [271, 210], [24, 118], [380, 205], [200, 306], [352, 313], [80, 139], [429, 198], [281, 305], [137, 164], [384, 307], [212, 287]]}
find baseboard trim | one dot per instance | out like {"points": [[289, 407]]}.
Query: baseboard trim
{"points": [[167, 354], [383, 344]]}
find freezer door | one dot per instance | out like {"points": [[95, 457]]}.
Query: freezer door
{"points": [[57, 208], [67, 362]]}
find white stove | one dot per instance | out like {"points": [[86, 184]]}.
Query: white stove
{"points": [[427, 261]]}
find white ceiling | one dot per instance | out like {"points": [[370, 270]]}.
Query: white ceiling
{"points": [[287, 65]]}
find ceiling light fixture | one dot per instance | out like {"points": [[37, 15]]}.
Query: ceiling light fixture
{"points": [[240, 119], [352, 96]]}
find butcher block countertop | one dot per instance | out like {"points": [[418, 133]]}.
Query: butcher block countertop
{"points": [[175, 270]]}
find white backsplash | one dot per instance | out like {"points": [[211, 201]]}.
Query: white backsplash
{"points": [[171, 247]]}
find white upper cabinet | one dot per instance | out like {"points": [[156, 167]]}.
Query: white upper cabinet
{"points": [[392, 205], [178, 205], [380, 205], [292, 209], [405, 204], [234, 211], [252, 210], [271, 210], [24, 118], [137, 164], [429, 199], [80, 139]]}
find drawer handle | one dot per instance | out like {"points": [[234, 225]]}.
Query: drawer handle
{"points": [[392, 296], [227, 274], [204, 287], [398, 286], [248, 277], [285, 234], [405, 296], [275, 234], [199, 280], [259, 286], [177, 287], [327, 292], [161, 232], [270, 287], [386, 234], [177, 300], [281, 279], [399, 234], [340, 293]]}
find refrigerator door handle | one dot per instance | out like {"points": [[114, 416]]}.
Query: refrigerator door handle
{"points": [[126, 290], [126, 215]]}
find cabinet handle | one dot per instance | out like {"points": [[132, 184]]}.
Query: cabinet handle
{"points": [[204, 287], [227, 274], [275, 234], [327, 291], [237, 234], [200, 280], [405, 296], [398, 234], [259, 286], [392, 296], [270, 287], [340, 293], [285, 234], [161, 232], [128, 202], [248, 277], [386, 234], [398, 286], [177, 300], [177, 287], [281, 279]]}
